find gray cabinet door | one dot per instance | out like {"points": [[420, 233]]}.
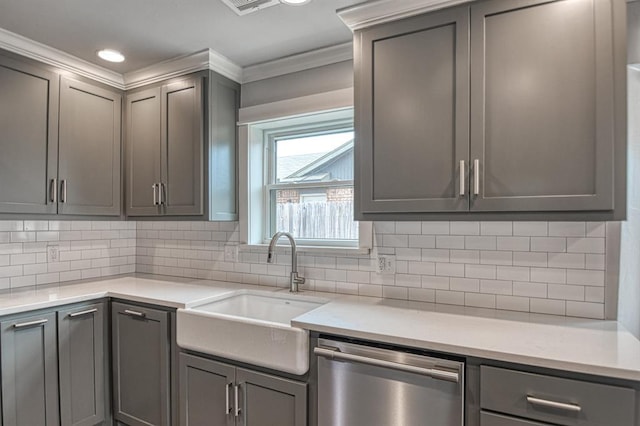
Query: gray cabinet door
{"points": [[29, 371], [81, 354], [143, 147], [182, 152], [267, 400], [206, 389], [89, 159], [29, 138], [412, 114], [542, 121], [140, 345]]}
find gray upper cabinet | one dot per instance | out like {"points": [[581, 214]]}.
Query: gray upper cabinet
{"points": [[182, 133], [141, 365], [165, 144], [542, 102], [500, 106], [412, 117], [143, 152], [82, 353], [181, 144], [89, 139], [29, 138], [29, 371]]}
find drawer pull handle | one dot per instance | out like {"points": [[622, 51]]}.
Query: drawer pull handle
{"points": [[462, 176], [574, 408], [476, 177], [236, 399], [135, 313], [30, 323], [81, 313], [227, 389]]}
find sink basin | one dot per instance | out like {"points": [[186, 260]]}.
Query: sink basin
{"points": [[252, 327]]}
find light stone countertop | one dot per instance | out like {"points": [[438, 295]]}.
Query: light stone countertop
{"points": [[578, 345]]}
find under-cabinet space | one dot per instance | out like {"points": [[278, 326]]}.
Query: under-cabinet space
{"points": [[224, 395]]}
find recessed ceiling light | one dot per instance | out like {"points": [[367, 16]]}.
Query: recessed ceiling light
{"points": [[295, 2], [111, 55]]}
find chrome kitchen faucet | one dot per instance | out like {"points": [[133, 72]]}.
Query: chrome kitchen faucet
{"points": [[295, 280]]}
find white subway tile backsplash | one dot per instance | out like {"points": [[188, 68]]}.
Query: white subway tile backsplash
{"points": [[530, 229], [436, 283], [512, 303], [549, 244], [435, 228], [542, 267], [496, 228], [464, 228]]}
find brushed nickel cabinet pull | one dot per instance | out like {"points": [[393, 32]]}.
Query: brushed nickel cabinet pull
{"points": [[462, 176], [574, 408], [30, 323], [81, 313], [476, 177], [53, 190], [63, 191], [135, 313], [154, 187]]}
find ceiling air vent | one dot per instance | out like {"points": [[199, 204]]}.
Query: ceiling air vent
{"points": [[243, 7]]}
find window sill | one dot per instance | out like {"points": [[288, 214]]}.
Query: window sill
{"points": [[335, 251]]}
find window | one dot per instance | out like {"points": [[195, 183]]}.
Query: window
{"points": [[306, 185]]}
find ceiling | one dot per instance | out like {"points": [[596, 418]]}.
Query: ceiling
{"points": [[151, 31]]}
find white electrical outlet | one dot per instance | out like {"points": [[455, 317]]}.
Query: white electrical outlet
{"points": [[386, 264], [53, 254], [230, 253]]}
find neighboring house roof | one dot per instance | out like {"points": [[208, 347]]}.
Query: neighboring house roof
{"points": [[292, 163], [316, 170]]}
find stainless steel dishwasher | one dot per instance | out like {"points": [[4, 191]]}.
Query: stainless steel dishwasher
{"points": [[361, 385]]}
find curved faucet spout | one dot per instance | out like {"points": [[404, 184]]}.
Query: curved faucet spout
{"points": [[295, 279]]}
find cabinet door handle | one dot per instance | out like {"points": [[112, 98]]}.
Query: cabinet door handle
{"points": [[227, 389], [63, 191], [134, 313], [82, 313], [154, 188], [53, 190], [574, 408], [30, 323], [236, 399], [462, 176], [476, 177], [161, 194]]}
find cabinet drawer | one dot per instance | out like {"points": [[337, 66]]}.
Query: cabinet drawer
{"points": [[555, 400], [491, 419]]}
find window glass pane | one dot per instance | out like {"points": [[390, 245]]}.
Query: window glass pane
{"points": [[316, 213], [315, 158]]}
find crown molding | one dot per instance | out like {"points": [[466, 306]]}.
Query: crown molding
{"points": [[377, 12], [23, 46], [300, 62], [206, 59]]}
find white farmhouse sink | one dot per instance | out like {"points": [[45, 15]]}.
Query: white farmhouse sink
{"points": [[252, 327]]}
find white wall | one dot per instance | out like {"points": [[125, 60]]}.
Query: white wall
{"points": [[629, 290]]}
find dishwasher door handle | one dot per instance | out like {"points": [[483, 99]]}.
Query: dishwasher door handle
{"points": [[435, 373]]}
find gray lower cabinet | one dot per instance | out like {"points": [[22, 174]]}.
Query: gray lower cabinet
{"points": [[219, 394], [29, 137], [141, 365], [480, 109], [513, 398], [83, 366], [29, 371], [89, 153]]}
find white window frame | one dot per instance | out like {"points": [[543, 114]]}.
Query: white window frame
{"points": [[253, 122], [312, 128]]}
